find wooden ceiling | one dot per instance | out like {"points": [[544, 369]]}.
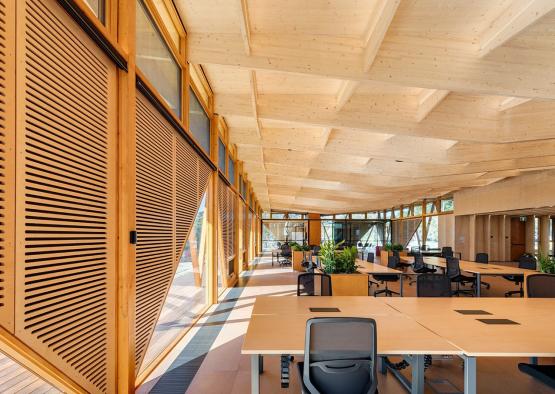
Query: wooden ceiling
{"points": [[347, 105]]}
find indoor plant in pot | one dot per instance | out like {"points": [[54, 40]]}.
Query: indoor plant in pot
{"points": [[342, 267]]}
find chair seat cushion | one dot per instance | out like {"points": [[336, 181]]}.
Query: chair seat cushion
{"points": [[544, 373]]}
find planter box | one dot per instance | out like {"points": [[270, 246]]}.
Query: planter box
{"points": [[384, 254], [349, 284], [297, 259]]}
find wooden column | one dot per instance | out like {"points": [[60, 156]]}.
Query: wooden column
{"points": [[529, 234], [544, 234], [314, 229], [126, 202]]}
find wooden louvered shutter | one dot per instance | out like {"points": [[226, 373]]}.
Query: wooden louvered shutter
{"points": [[155, 255], [171, 180], [7, 161], [65, 270], [227, 217]]}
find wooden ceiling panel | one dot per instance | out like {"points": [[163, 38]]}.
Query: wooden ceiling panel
{"points": [[362, 104]]}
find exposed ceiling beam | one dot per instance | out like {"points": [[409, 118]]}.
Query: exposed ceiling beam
{"points": [[254, 102], [386, 117], [415, 61], [511, 102], [429, 99], [377, 28], [245, 26], [518, 16], [346, 91]]}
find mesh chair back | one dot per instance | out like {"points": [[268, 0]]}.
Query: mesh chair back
{"points": [[314, 284], [482, 258], [370, 257], [418, 262], [446, 251], [527, 261], [540, 286], [286, 250], [433, 285], [453, 269], [278, 244], [392, 261], [340, 355], [396, 253]]}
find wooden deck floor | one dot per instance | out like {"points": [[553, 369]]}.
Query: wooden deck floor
{"points": [[16, 379]]}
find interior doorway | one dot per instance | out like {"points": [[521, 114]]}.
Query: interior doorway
{"points": [[518, 238]]}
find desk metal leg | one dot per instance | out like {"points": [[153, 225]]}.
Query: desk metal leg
{"points": [[469, 375], [255, 374], [260, 363], [417, 383], [285, 360], [478, 284], [383, 366], [401, 284]]}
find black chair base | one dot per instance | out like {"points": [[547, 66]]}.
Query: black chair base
{"points": [[544, 373], [386, 291], [519, 291]]}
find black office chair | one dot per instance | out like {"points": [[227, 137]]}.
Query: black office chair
{"points": [[392, 262], [540, 286], [483, 258], [307, 285], [400, 264], [285, 255], [433, 285], [454, 274], [419, 267], [526, 261], [446, 251], [544, 373], [340, 356]]}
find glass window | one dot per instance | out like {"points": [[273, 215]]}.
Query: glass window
{"points": [[358, 216], [372, 215], [221, 156], [430, 207], [265, 215], [187, 296], [231, 170], [326, 216], [97, 7], [432, 240], [388, 214], [199, 122], [406, 212], [397, 213], [282, 231], [295, 216], [342, 216], [447, 205], [156, 61], [244, 190], [417, 210], [278, 215], [536, 234]]}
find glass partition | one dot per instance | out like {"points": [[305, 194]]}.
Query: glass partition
{"points": [[199, 122], [282, 231]]}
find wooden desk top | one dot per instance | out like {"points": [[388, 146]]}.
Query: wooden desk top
{"points": [[533, 336], [473, 267], [352, 306], [365, 267], [285, 334]]}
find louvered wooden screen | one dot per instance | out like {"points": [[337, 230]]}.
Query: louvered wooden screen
{"points": [[65, 270], [171, 180], [7, 162], [403, 230], [226, 210]]}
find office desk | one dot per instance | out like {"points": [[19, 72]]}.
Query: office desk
{"points": [[477, 269], [532, 337], [365, 267], [283, 332]]}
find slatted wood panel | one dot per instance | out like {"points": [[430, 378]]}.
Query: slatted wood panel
{"points": [[65, 271], [226, 212], [171, 180], [7, 162], [403, 230]]}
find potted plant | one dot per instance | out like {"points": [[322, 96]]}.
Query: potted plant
{"points": [[298, 254], [388, 249], [342, 267], [546, 263]]}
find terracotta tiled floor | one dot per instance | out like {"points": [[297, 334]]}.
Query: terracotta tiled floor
{"points": [[224, 370]]}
